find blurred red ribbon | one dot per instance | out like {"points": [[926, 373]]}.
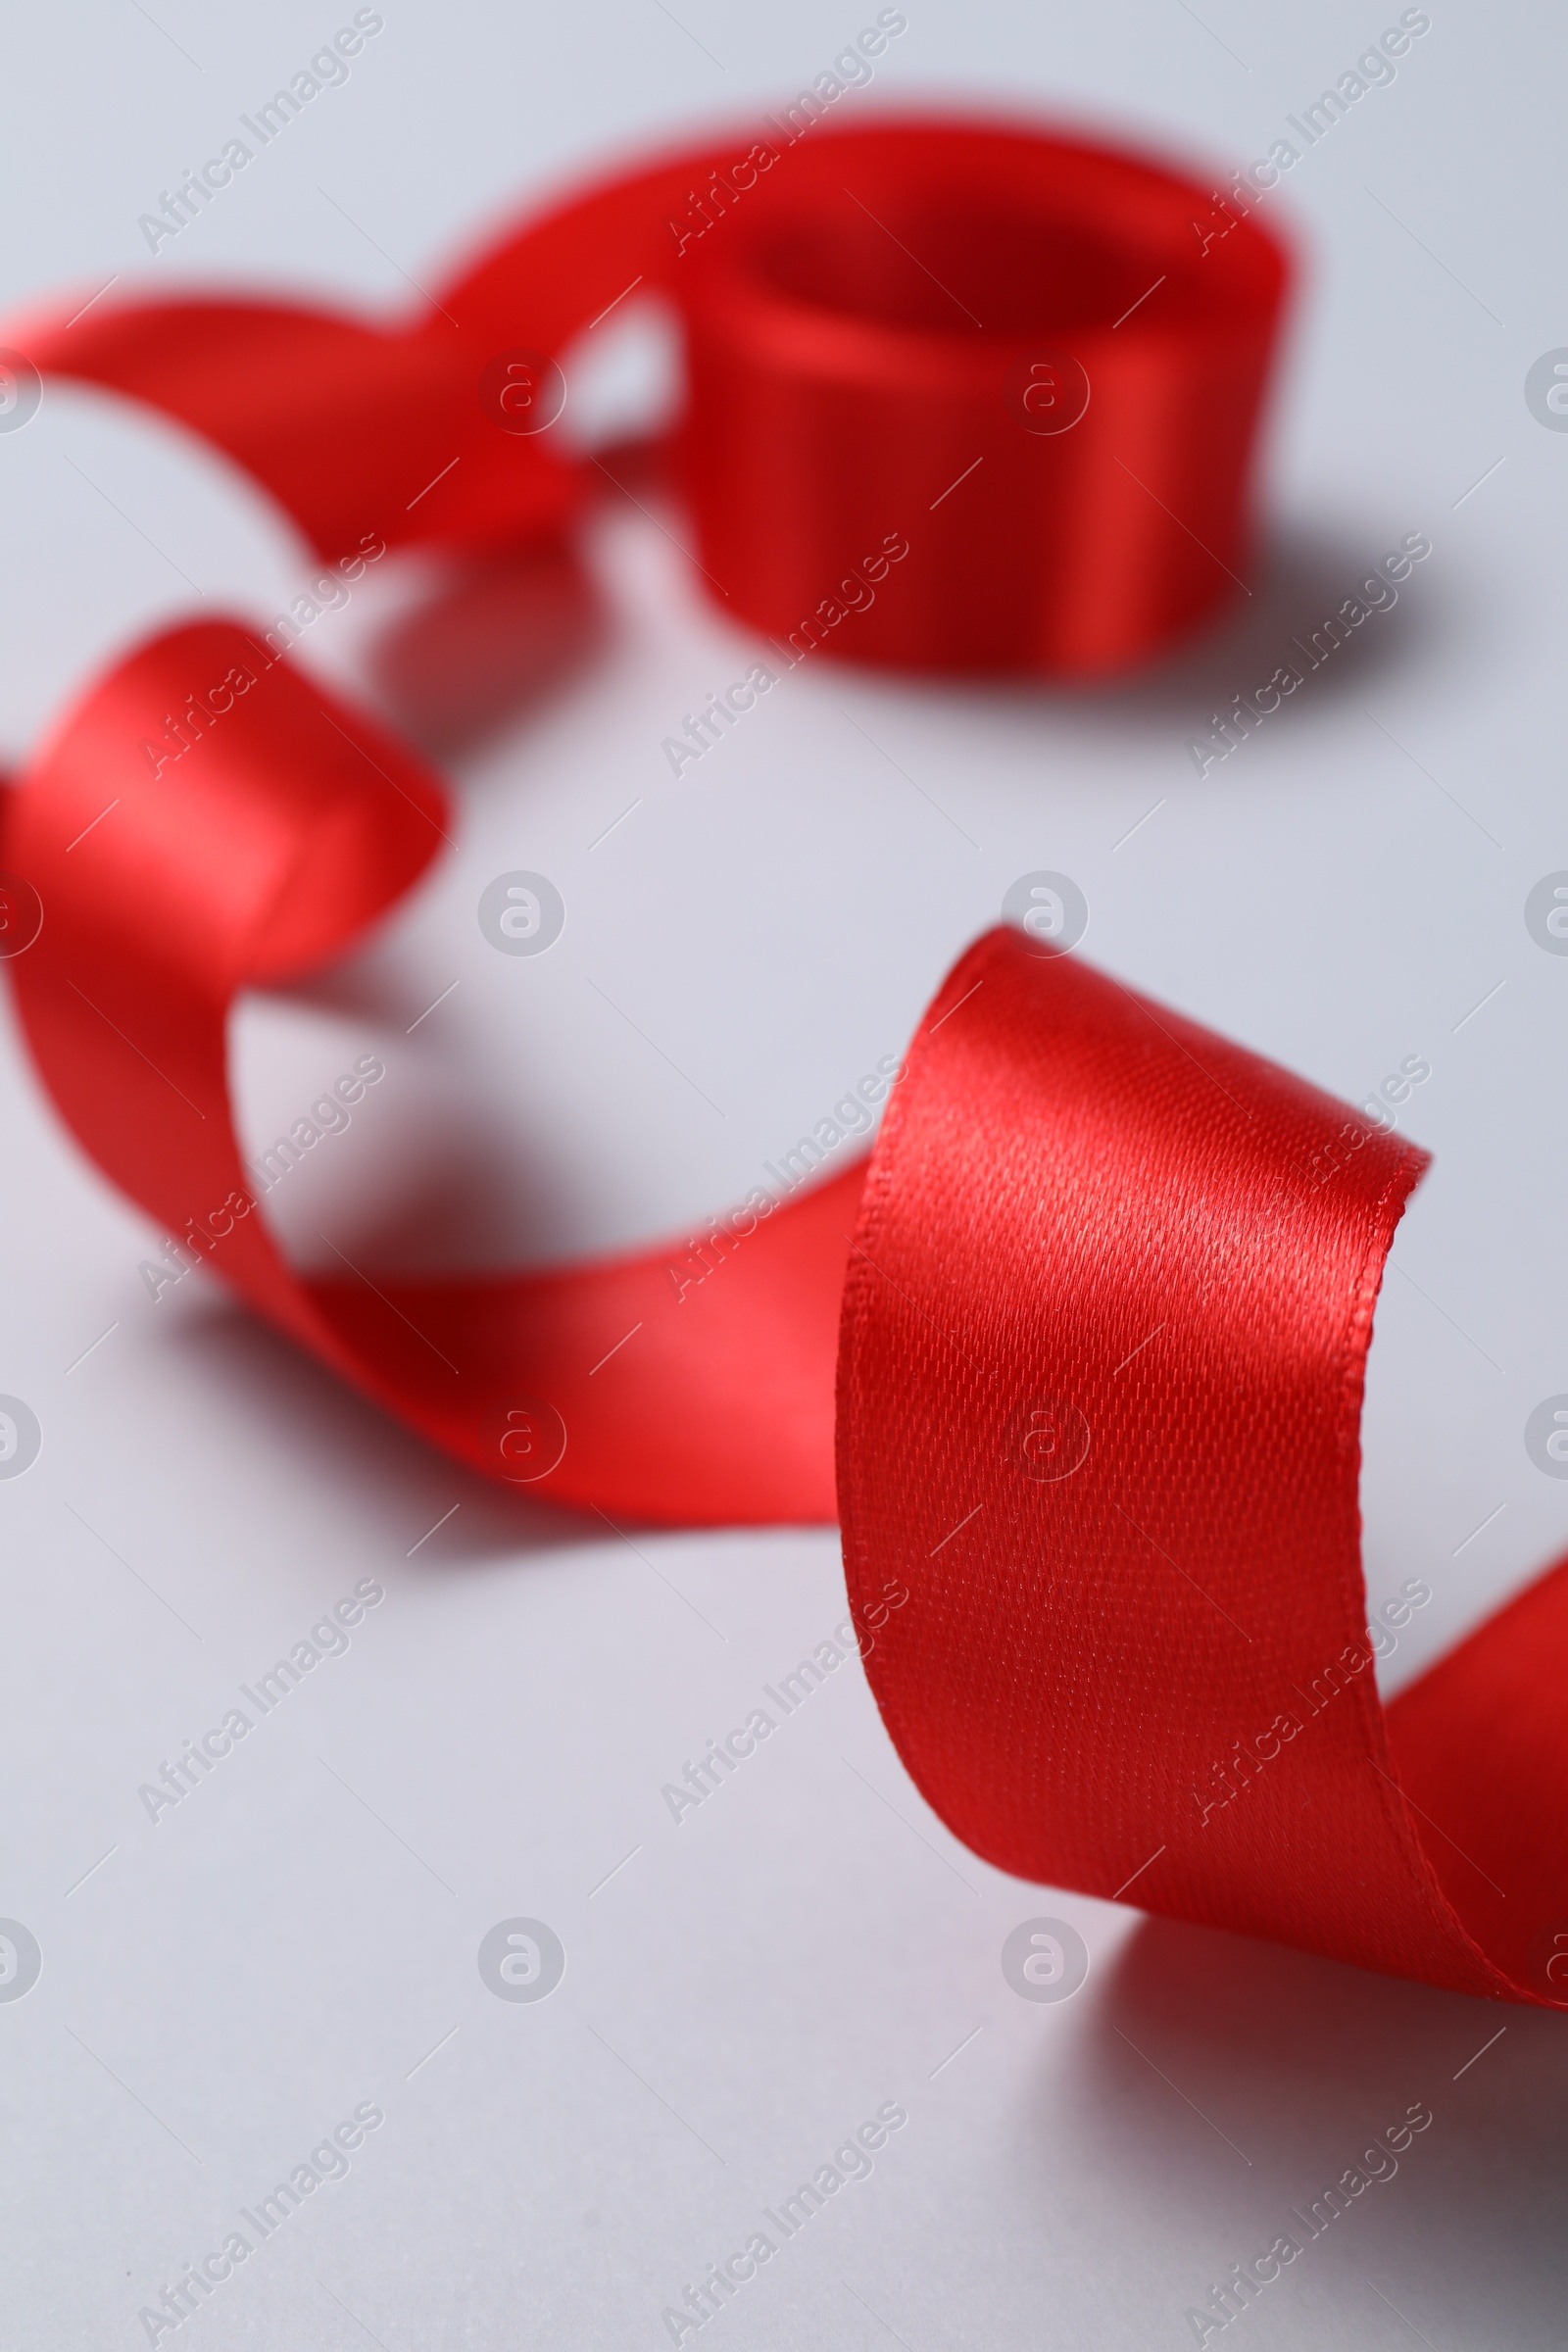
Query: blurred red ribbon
{"points": [[1101, 1304]]}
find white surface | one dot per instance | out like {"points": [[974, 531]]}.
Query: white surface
{"points": [[228, 1984]]}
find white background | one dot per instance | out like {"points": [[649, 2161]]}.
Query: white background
{"points": [[227, 1985]]}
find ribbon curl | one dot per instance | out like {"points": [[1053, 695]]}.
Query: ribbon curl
{"points": [[1101, 1297]]}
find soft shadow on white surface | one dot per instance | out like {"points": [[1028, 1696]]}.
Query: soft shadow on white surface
{"points": [[1294, 2067]]}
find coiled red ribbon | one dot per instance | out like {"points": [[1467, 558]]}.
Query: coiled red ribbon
{"points": [[1101, 1313]]}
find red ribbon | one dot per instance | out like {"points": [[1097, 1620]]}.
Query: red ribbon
{"points": [[1102, 1311], [1063, 342]]}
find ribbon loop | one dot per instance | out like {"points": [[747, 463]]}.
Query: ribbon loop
{"points": [[209, 809], [1100, 1391]]}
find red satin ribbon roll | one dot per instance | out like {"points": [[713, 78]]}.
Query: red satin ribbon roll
{"points": [[1010, 353], [1109, 1289]]}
